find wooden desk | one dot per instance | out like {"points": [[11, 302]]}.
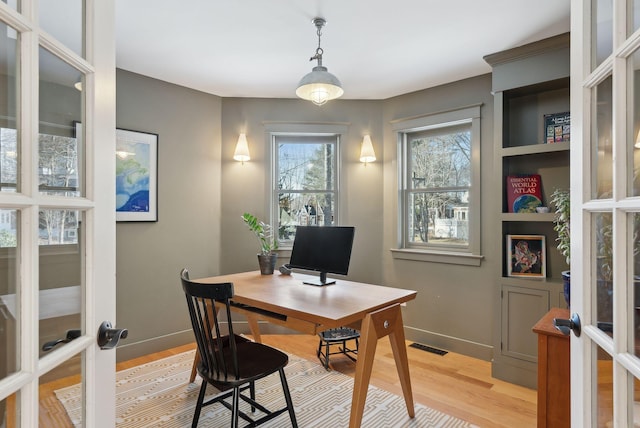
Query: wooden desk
{"points": [[372, 309], [554, 367]]}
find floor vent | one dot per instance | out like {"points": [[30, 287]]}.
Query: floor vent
{"points": [[428, 348]]}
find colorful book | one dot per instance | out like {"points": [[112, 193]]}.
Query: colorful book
{"points": [[557, 127], [524, 193]]}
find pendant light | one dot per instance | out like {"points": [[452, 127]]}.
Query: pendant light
{"points": [[319, 86]]}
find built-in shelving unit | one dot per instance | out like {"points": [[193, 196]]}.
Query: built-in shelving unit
{"points": [[528, 82]]}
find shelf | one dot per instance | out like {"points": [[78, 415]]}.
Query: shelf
{"points": [[528, 217], [533, 149]]}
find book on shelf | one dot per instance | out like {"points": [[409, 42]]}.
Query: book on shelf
{"points": [[557, 127], [524, 193]]}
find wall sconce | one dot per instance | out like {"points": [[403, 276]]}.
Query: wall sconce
{"points": [[366, 152], [242, 150]]}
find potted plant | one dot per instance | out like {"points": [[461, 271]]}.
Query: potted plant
{"points": [[267, 257], [560, 198]]}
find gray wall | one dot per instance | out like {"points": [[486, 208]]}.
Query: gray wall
{"points": [[454, 306], [150, 255], [203, 192]]}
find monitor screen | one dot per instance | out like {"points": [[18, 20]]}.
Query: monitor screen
{"points": [[326, 249]]}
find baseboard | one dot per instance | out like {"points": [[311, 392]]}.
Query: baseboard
{"points": [[450, 343], [126, 351], [523, 376]]}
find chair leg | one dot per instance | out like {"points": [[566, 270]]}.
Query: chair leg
{"points": [[235, 407], [287, 398], [196, 414], [252, 393], [326, 361]]}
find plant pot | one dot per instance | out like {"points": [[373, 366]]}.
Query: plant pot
{"points": [[267, 263], [566, 286]]}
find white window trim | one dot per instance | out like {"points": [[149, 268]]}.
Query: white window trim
{"points": [[470, 255], [271, 129]]}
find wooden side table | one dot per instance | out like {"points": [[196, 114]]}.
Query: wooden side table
{"points": [[554, 372]]}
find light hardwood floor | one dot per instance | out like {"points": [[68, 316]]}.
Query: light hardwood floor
{"points": [[455, 384]]}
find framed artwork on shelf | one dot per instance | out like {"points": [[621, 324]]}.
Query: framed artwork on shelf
{"points": [[136, 176], [526, 256]]}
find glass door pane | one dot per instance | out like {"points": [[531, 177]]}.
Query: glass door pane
{"points": [[633, 14], [63, 19], [60, 152], [634, 301], [61, 278], [633, 127], [9, 299], [603, 264], [61, 393], [602, 31], [14, 4], [604, 397], [9, 135], [602, 140]]}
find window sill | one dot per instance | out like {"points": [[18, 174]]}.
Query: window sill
{"points": [[449, 257]]}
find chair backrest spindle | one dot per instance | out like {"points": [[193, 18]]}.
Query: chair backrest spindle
{"points": [[213, 345]]}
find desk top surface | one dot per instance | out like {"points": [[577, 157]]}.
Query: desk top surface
{"points": [[332, 305]]}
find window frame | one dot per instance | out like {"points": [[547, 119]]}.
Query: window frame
{"points": [[272, 131], [466, 255]]}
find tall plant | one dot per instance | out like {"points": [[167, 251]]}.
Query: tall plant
{"points": [[562, 202], [263, 231]]}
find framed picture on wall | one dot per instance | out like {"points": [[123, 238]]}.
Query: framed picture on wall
{"points": [[136, 176], [526, 256]]}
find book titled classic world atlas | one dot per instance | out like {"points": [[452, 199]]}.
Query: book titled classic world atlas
{"points": [[524, 193]]}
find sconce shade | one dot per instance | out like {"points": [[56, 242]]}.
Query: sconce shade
{"points": [[637, 143], [366, 153], [319, 86], [242, 149]]}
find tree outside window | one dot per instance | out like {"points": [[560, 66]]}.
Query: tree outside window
{"points": [[438, 186], [305, 183]]}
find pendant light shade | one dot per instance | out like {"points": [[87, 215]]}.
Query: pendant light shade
{"points": [[319, 86]]}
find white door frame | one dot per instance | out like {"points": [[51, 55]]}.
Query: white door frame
{"points": [[98, 206], [584, 207]]}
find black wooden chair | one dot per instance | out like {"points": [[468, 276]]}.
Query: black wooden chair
{"points": [[229, 362]]}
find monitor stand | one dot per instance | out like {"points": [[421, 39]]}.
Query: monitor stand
{"points": [[323, 281]]}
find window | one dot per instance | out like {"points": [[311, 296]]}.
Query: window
{"points": [[439, 178], [305, 182]]}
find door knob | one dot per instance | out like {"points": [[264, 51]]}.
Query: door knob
{"points": [[567, 325], [108, 337], [71, 334]]}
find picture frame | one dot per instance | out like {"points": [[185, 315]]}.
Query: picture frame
{"points": [[526, 256], [136, 176]]}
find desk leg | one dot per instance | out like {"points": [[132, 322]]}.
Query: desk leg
{"points": [[253, 326], [385, 322]]}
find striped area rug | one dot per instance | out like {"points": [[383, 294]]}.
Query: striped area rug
{"points": [[158, 395]]}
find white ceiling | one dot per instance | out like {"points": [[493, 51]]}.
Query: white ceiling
{"points": [[377, 48]]}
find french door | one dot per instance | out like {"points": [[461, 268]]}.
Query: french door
{"points": [[605, 212], [57, 219]]}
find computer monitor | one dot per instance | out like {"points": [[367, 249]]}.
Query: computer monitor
{"points": [[325, 249]]}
